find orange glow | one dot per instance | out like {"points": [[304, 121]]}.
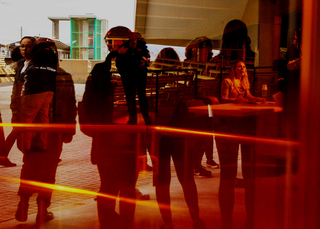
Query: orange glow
{"points": [[158, 129], [230, 136], [92, 193]]}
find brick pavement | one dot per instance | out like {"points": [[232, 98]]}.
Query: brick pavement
{"points": [[75, 170]]}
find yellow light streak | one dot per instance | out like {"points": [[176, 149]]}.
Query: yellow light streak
{"points": [[157, 129], [229, 136], [93, 193]]}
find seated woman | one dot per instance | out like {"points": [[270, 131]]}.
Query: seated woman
{"points": [[235, 89]]}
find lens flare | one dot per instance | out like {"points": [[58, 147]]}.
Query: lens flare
{"points": [[92, 193]]}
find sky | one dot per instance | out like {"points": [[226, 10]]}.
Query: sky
{"points": [[32, 16], [20, 18]]}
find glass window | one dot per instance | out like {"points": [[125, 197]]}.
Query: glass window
{"points": [[83, 39], [91, 25], [91, 40], [91, 54], [75, 53], [75, 39], [83, 53], [234, 139], [83, 26]]}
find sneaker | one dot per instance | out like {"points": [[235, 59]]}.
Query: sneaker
{"points": [[199, 224], [6, 162], [202, 172], [22, 211], [212, 164], [44, 218]]}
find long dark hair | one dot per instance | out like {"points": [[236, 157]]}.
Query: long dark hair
{"points": [[234, 35], [44, 56]]}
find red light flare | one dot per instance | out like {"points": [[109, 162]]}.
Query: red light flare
{"points": [[92, 193]]}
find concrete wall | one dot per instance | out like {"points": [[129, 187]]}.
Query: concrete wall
{"points": [[79, 69], [94, 62]]}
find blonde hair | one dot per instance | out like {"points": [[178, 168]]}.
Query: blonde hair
{"points": [[245, 79]]}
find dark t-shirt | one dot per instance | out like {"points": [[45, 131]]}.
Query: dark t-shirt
{"points": [[39, 79]]}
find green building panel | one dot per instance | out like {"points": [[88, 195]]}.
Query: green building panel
{"points": [[85, 39]]}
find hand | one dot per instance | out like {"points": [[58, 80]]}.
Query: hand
{"points": [[240, 99], [260, 100], [122, 50], [143, 62]]}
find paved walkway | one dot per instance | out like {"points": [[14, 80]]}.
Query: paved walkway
{"points": [[74, 210]]}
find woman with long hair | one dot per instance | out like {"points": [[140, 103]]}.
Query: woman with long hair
{"points": [[235, 89]]}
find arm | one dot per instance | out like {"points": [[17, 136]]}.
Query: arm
{"points": [[253, 99], [15, 100], [66, 110], [226, 86]]}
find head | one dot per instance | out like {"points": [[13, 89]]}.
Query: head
{"points": [[26, 45], [239, 71], [16, 54], [199, 49], [168, 53], [50, 43], [44, 56], [116, 36], [206, 50], [133, 39], [235, 34]]}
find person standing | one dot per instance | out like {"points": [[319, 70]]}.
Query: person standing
{"points": [[292, 87], [132, 67], [235, 89], [38, 158], [23, 64], [179, 149], [114, 152]]}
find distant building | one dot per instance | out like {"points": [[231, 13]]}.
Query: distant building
{"points": [[86, 38]]}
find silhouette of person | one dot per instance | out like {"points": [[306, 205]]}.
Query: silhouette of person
{"points": [[39, 86], [113, 152], [167, 55], [235, 40], [175, 147], [235, 89], [132, 67], [40, 164], [15, 57], [200, 50], [4, 151], [24, 63], [292, 86]]}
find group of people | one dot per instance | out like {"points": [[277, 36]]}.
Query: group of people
{"points": [[42, 93], [234, 89], [42, 90]]}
